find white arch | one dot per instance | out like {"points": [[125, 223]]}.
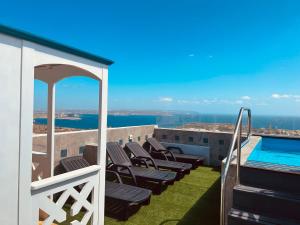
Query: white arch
{"points": [[52, 73], [71, 63]]}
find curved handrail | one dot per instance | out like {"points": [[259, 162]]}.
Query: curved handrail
{"points": [[236, 142]]}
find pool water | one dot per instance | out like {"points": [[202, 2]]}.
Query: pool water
{"points": [[281, 151]]}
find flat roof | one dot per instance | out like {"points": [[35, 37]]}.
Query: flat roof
{"points": [[52, 44]]}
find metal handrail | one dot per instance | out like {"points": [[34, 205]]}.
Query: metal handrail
{"points": [[236, 142]]}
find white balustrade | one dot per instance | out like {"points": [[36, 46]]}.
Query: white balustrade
{"points": [[40, 165], [79, 185]]}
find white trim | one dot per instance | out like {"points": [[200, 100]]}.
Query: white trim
{"points": [[26, 118], [65, 177], [51, 125], [101, 154]]}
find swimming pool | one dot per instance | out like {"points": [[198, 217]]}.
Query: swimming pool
{"points": [[283, 151]]}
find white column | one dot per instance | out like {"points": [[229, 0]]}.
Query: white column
{"points": [[51, 126], [26, 123], [102, 129]]}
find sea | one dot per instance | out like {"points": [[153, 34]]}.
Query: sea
{"points": [[90, 121]]}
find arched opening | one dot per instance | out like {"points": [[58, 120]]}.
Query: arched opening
{"points": [[49, 84]]}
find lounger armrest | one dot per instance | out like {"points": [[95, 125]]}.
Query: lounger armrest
{"points": [[129, 170], [116, 175], [169, 152], [175, 148], [149, 158], [139, 161], [160, 153]]}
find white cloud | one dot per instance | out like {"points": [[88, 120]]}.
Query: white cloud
{"points": [[292, 97], [280, 96], [239, 102], [210, 101], [246, 97], [166, 99]]}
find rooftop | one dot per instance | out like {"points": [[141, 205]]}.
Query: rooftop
{"points": [[52, 44], [193, 200]]}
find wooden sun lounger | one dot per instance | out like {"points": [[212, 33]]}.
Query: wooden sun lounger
{"points": [[157, 150], [123, 165], [119, 198], [140, 153]]}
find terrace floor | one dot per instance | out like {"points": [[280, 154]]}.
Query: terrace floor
{"points": [[192, 200]]}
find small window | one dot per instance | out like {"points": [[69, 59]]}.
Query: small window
{"points": [[139, 138], [191, 139], [221, 142], [121, 142], [164, 136], [205, 140], [130, 138], [146, 137], [63, 153], [177, 138], [81, 150]]}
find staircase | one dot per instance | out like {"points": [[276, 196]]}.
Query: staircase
{"points": [[265, 197]]}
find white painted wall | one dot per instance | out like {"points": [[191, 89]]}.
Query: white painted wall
{"points": [[18, 59], [10, 79]]}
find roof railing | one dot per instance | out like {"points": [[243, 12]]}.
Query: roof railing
{"points": [[235, 144]]}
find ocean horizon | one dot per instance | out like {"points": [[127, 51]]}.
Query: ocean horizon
{"points": [[90, 121]]}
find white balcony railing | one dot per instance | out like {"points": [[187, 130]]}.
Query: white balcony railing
{"points": [[80, 185], [40, 166]]}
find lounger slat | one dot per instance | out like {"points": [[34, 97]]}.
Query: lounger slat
{"points": [[119, 157], [151, 174], [158, 147], [139, 151], [172, 164], [126, 192], [116, 191]]}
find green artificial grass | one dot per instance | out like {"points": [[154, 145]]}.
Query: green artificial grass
{"points": [[191, 201], [194, 200]]}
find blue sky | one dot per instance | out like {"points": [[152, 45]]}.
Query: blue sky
{"points": [[205, 56]]}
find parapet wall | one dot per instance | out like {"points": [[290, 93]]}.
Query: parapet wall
{"points": [[212, 145], [72, 143], [217, 142]]}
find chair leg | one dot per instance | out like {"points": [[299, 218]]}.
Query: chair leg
{"points": [[125, 213], [158, 189]]}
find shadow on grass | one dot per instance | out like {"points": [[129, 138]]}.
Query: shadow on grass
{"points": [[206, 211]]}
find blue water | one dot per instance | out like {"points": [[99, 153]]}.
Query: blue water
{"points": [[282, 151], [90, 121]]}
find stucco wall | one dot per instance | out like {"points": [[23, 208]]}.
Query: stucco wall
{"points": [[217, 142], [10, 80], [212, 145], [72, 141]]}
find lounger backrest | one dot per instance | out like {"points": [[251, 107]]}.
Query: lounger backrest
{"points": [[74, 163], [117, 154], [155, 144], [137, 150]]}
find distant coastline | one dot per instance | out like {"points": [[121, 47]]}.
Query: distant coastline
{"points": [[261, 124]]}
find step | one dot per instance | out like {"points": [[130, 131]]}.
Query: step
{"points": [[270, 179], [271, 203], [239, 217]]}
